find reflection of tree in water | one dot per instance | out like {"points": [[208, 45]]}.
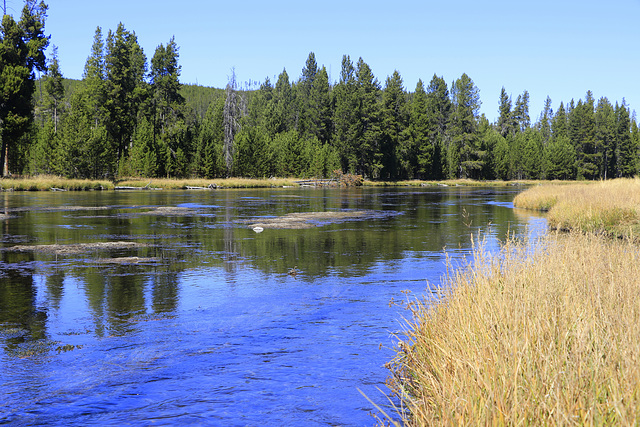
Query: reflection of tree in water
{"points": [[20, 319], [230, 251], [55, 287], [117, 295], [164, 291]]}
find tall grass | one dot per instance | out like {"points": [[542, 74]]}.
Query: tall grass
{"points": [[606, 207], [550, 338], [47, 182], [177, 184]]}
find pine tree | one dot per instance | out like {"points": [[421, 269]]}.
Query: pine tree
{"points": [[321, 126], [369, 134], [345, 116], [559, 123], [465, 156], [544, 124], [167, 109], [605, 133], [125, 68], [627, 150], [397, 151], [419, 132], [94, 79], [582, 134], [54, 88], [559, 158], [505, 119], [439, 112], [520, 117], [22, 46], [532, 154]]}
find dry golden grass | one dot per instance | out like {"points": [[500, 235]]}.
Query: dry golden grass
{"points": [[178, 184], [550, 338], [606, 207], [47, 182]]}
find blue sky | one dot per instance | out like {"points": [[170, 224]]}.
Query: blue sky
{"points": [[560, 48]]}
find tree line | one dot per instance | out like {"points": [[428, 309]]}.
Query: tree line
{"points": [[128, 117]]}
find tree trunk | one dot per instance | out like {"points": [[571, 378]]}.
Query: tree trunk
{"points": [[5, 159]]}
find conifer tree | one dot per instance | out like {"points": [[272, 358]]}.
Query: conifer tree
{"points": [[439, 112], [582, 134], [559, 158], [125, 69], [559, 123], [521, 118], [419, 132], [505, 119], [605, 124], [94, 79], [544, 124], [345, 116], [167, 111], [54, 88], [396, 148], [627, 150], [369, 134], [22, 46], [465, 156]]}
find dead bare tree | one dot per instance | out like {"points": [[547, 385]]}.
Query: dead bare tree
{"points": [[234, 109]]}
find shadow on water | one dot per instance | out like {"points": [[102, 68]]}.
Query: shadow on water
{"points": [[206, 321]]}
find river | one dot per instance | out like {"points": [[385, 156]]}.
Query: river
{"points": [[166, 307]]}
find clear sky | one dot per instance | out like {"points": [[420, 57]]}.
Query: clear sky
{"points": [[559, 48]]}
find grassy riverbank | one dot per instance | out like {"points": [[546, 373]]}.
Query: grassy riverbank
{"points": [[549, 337], [607, 207], [47, 183]]}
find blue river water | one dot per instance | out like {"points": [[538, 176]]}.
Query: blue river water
{"points": [[204, 321]]}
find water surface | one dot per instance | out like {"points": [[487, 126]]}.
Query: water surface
{"points": [[201, 322]]}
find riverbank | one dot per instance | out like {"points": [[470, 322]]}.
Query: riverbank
{"points": [[611, 208], [54, 183], [548, 337]]}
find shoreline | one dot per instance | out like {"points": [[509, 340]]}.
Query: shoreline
{"points": [[539, 337], [54, 183]]}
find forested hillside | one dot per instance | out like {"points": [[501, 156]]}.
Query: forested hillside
{"points": [[132, 117]]}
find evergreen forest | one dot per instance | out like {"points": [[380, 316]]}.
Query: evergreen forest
{"points": [[131, 117]]}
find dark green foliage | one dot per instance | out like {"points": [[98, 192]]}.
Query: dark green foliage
{"points": [[120, 120], [22, 46], [605, 122], [544, 124], [54, 88], [419, 132], [559, 159], [531, 154], [466, 158], [582, 132], [397, 149], [627, 149], [439, 108], [505, 120], [520, 118], [125, 69]]}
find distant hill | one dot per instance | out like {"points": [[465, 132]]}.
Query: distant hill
{"points": [[197, 97]]}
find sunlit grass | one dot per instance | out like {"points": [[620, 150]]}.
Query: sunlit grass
{"points": [[606, 207], [549, 338], [47, 182], [178, 184]]}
